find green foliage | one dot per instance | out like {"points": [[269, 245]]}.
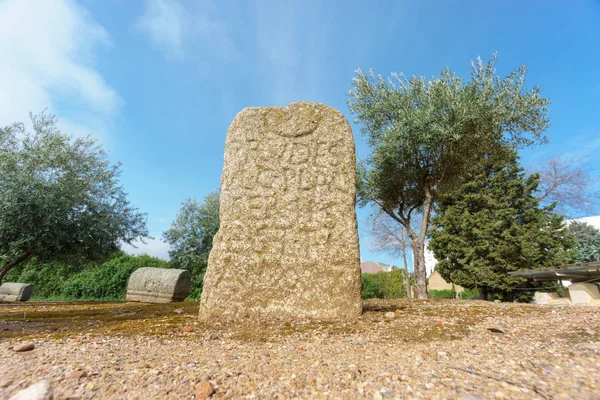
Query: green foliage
{"points": [[493, 225], [383, 285], [442, 294], [191, 236], [47, 277], [588, 242], [108, 280], [59, 197], [469, 294], [427, 134], [63, 281], [369, 287]]}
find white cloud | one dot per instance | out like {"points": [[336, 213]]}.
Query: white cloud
{"points": [[164, 23], [173, 30], [48, 52], [153, 247]]}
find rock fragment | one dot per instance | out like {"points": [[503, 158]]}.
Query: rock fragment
{"points": [[204, 390], [497, 329], [25, 346], [39, 391]]}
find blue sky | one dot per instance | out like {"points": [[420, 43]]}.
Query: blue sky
{"points": [[159, 81]]}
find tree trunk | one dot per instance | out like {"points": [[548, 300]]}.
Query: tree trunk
{"points": [[483, 292], [419, 248], [10, 264], [420, 273], [407, 275]]}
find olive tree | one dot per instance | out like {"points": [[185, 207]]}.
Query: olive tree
{"points": [[59, 197], [191, 235], [425, 135]]}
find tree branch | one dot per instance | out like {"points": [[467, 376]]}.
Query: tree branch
{"points": [[10, 264]]}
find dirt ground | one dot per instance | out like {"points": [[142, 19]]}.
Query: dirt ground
{"points": [[434, 349]]}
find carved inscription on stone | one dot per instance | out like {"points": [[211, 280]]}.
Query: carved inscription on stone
{"points": [[287, 246]]}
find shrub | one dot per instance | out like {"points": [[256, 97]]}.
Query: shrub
{"points": [[442, 294], [108, 281], [75, 280], [383, 285], [47, 278], [469, 294]]}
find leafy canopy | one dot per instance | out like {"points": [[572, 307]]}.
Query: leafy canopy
{"points": [[191, 236], [60, 196], [588, 242], [493, 225], [426, 134]]}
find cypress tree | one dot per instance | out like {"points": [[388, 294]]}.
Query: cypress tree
{"points": [[493, 225]]}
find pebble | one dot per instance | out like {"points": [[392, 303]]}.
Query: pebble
{"points": [[291, 347], [187, 329], [497, 329], [78, 375], [179, 311], [39, 391], [204, 390], [25, 346], [362, 341], [390, 315]]}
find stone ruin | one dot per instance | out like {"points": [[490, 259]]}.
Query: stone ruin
{"points": [[158, 285], [11, 291], [287, 246]]}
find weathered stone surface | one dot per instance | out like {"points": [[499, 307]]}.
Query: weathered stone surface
{"points": [[25, 346], [287, 246], [158, 285], [550, 298], [11, 291], [584, 293], [39, 391]]}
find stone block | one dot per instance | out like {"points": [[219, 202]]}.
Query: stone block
{"points": [[287, 246], [158, 285], [550, 298], [12, 291], [584, 293]]}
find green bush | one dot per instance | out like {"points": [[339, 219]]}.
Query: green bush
{"points": [[469, 294], [383, 285], [369, 287], [76, 281], [47, 278], [442, 294], [108, 281]]}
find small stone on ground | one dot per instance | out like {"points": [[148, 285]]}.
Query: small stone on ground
{"points": [[27, 346]]}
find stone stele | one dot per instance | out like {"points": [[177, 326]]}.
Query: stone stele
{"points": [[11, 291], [158, 285], [287, 246]]}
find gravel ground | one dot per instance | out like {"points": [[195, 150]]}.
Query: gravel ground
{"points": [[434, 349]]}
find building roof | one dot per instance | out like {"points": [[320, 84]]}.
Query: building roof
{"points": [[372, 267]]}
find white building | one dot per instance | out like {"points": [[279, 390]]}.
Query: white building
{"points": [[593, 221], [430, 261]]}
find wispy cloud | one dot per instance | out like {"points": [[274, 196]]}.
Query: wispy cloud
{"points": [[48, 55], [176, 31], [164, 23]]}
